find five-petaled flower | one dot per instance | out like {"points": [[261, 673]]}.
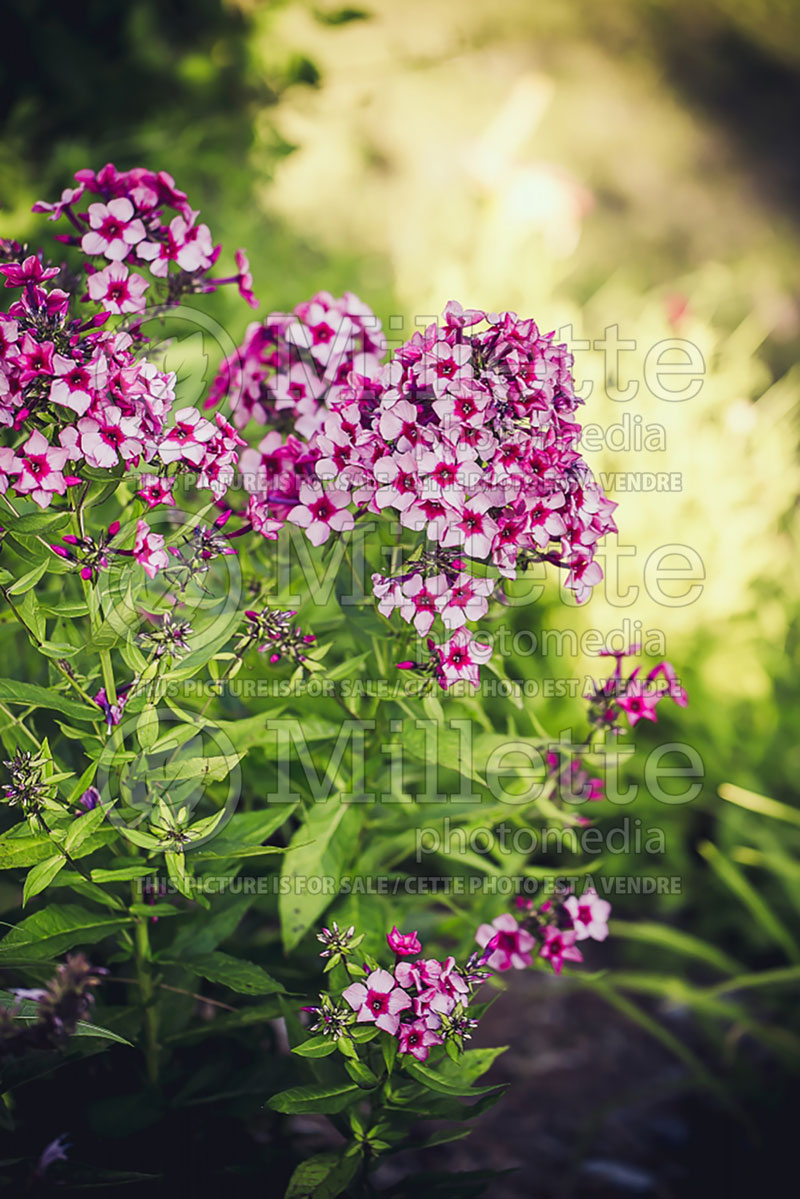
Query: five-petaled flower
{"points": [[149, 550], [589, 915], [378, 1000], [321, 513], [117, 290], [114, 230], [559, 947], [507, 945], [416, 1038]]}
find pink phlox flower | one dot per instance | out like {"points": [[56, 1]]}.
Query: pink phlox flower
{"points": [[508, 945], [378, 1000], [461, 658], [467, 598], [417, 1039], [31, 270], [322, 512], [187, 438], [404, 944], [421, 598], [149, 550], [114, 230], [155, 490], [117, 290], [559, 947], [589, 915], [39, 467]]}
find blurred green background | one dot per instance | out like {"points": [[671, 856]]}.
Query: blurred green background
{"points": [[631, 164]]}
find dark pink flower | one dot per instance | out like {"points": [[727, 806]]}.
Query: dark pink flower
{"points": [[30, 271], [244, 280], [41, 467], [559, 947], [155, 490], [461, 658], [403, 944], [416, 1039]]}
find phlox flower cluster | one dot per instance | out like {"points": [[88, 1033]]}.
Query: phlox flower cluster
{"points": [[77, 396], [552, 932], [636, 697], [466, 437], [422, 1002]]}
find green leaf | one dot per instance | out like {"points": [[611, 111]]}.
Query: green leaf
{"points": [[40, 877], [176, 869], [765, 978], [325, 1100], [82, 828], [232, 1022], [147, 727], [35, 522], [94, 1030], [24, 848], [312, 869], [316, 1047], [56, 929], [361, 1073], [246, 978], [12, 692], [437, 1082], [389, 1047], [122, 874], [83, 783], [29, 579], [744, 890], [664, 936], [58, 649], [243, 834], [323, 1176], [759, 803], [28, 1012], [470, 1065]]}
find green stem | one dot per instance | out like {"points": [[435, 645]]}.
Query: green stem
{"points": [[16, 721], [84, 873], [37, 642], [144, 975], [108, 676]]}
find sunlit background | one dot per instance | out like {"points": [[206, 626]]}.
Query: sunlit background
{"points": [[628, 165]]}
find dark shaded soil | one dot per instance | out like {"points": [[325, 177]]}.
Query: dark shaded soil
{"points": [[596, 1108]]}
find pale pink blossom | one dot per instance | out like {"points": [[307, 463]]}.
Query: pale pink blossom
{"points": [[149, 550], [321, 513], [589, 915], [378, 1000], [117, 290], [510, 944], [114, 229]]}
